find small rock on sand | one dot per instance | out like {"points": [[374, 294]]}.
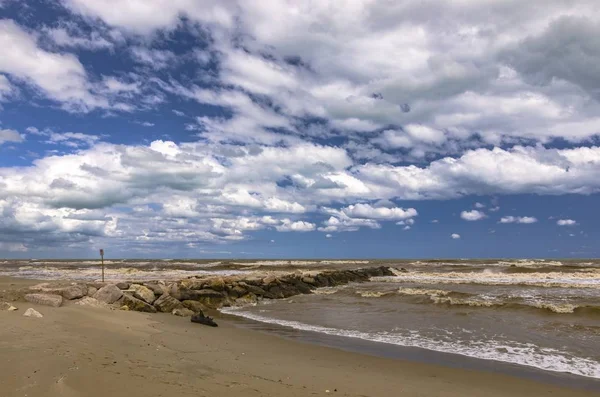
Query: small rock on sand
{"points": [[7, 306], [45, 299], [32, 313], [109, 294]]}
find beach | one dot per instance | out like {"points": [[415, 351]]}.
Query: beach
{"points": [[85, 351]]}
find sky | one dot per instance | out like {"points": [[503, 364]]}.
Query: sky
{"points": [[299, 129]]}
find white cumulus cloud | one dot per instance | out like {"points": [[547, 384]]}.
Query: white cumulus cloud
{"points": [[7, 135], [473, 215], [518, 219], [566, 222]]}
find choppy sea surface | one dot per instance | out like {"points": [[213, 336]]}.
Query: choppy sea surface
{"points": [[537, 313]]}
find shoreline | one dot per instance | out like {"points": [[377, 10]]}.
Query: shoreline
{"points": [[409, 354], [75, 348], [80, 351]]}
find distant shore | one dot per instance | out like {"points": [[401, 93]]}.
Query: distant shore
{"points": [[85, 351]]}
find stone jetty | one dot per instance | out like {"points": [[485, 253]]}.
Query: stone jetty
{"points": [[192, 295]]}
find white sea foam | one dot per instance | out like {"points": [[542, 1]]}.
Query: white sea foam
{"points": [[111, 274], [556, 305], [300, 263], [422, 291], [511, 352], [373, 294], [589, 279], [329, 290]]}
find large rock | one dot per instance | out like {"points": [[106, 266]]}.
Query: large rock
{"points": [[70, 291], [210, 298], [157, 288], [45, 299], [32, 313], [322, 281], [91, 302], [136, 304], [123, 285], [248, 299], [180, 293], [166, 304], [143, 293], [91, 290], [74, 292], [275, 292], [236, 291], [194, 306], [192, 283], [108, 294], [298, 284], [258, 291], [183, 312], [216, 284], [255, 281], [270, 280]]}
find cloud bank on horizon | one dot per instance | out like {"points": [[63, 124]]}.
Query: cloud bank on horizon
{"points": [[174, 127]]}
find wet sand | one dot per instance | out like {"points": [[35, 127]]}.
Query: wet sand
{"points": [[83, 351]]}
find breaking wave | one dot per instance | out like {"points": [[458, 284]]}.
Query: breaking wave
{"points": [[525, 354], [588, 279], [455, 298]]}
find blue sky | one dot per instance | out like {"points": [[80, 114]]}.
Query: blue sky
{"points": [[297, 129]]}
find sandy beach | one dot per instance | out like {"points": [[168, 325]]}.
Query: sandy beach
{"points": [[85, 351]]}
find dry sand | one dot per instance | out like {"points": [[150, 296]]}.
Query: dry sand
{"points": [[82, 351]]}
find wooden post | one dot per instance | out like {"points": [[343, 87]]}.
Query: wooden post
{"points": [[102, 257]]}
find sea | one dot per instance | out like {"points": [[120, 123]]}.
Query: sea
{"points": [[541, 314]]}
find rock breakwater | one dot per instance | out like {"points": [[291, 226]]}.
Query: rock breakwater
{"points": [[192, 295]]}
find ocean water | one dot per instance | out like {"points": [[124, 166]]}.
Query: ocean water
{"points": [[541, 314], [535, 313]]}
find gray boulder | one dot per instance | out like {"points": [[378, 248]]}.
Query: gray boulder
{"points": [[248, 299], [45, 299], [194, 306], [237, 291], [253, 288], [166, 304], [143, 293], [108, 294], [136, 304], [210, 298], [88, 301], [123, 285], [182, 294], [157, 288], [74, 292]]}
